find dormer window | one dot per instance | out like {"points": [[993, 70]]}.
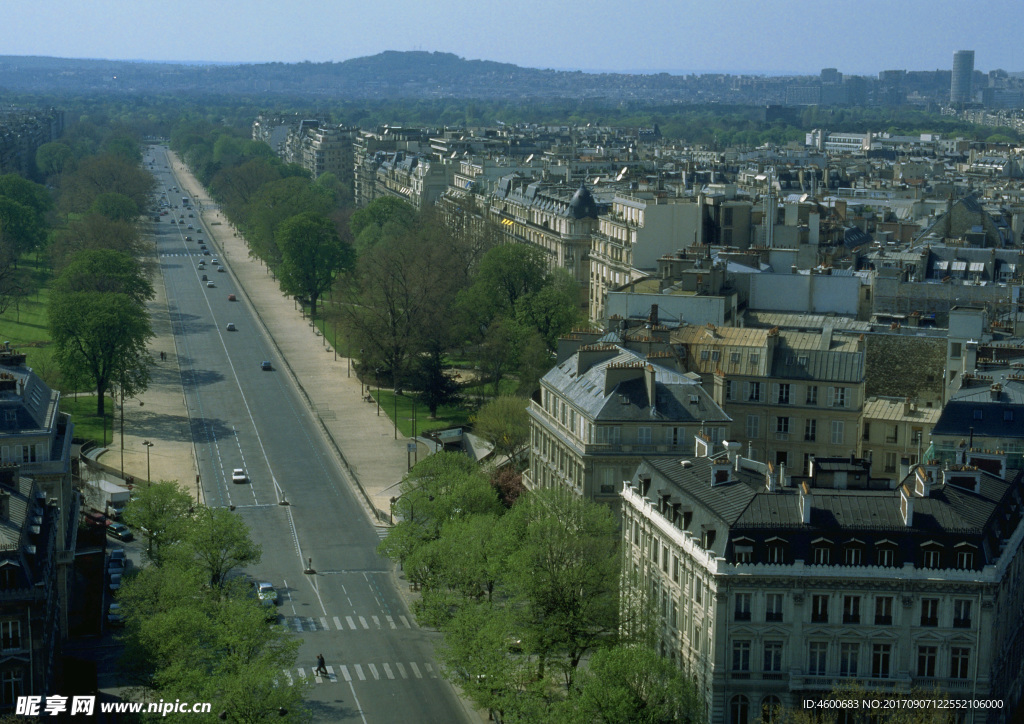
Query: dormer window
{"points": [[821, 552], [853, 553], [708, 539], [885, 554], [931, 557], [964, 556], [776, 550], [743, 550]]}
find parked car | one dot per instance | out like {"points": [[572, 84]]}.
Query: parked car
{"points": [[119, 531], [115, 582], [114, 615], [95, 518], [116, 565]]}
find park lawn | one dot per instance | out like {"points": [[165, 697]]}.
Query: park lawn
{"points": [[447, 415], [26, 325], [88, 425]]}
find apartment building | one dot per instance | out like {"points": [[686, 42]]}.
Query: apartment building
{"points": [[604, 407], [551, 218], [769, 589], [790, 395], [894, 430]]}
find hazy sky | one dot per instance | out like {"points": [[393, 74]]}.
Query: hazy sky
{"points": [[862, 36]]}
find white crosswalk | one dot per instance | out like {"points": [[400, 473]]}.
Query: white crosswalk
{"points": [[370, 671], [307, 624]]}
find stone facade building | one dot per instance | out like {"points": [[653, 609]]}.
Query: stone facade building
{"points": [[769, 589]]}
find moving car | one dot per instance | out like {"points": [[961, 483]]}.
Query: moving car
{"points": [[209, 284], [238, 475], [206, 252], [205, 279], [215, 260], [266, 593], [231, 298], [221, 269], [188, 238], [231, 326], [266, 366]]}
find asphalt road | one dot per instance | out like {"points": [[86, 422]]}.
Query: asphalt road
{"points": [[380, 665]]}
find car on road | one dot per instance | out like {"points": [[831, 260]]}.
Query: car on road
{"points": [[209, 284], [266, 366], [206, 252], [205, 279], [231, 298], [116, 565], [238, 476], [231, 326], [215, 260], [115, 581], [266, 593], [119, 531], [118, 554], [114, 615], [190, 216], [221, 269], [190, 226], [188, 238]]}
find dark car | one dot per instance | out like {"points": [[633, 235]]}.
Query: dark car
{"points": [[119, 531], [266, 366], [206, 252]]}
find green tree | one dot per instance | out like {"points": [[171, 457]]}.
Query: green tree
{"points": [[104, 174], [101, 338], [505, 424], [437, 386], [164, 511], [311, 256], [53, 158], [20, 232], [633, 685], [93, 231], [116, 207], [379, 213], [103, 270], [554, 309], [272, 204], [507, 274], [217, 542]]}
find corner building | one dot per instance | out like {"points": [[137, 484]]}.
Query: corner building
{"points": [[770, 590]]}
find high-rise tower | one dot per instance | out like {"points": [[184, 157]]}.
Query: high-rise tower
{"points": [[963, 70]]}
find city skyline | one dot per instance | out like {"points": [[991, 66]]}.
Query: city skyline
{"points": [[798, 37]]}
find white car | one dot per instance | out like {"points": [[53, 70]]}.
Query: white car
{"points": [[238, 476], [266, 593]]}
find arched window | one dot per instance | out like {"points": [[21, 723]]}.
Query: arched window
{"points": [[771, 709], [739, 710]]}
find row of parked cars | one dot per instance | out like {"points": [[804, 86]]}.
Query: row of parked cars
{"points": [[113, 528]]}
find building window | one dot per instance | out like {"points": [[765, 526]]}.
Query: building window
{"points": [[838, 397], [889, 464], [955, 350], [675, 568], [821, 555], [866, 436], [851, 609], [852, 555], [812, 395], [931, 559], [672, 613], [754, 391], [881, 660], [742, 611], [734, 357], [754, 359], [643, 436], [817, 658], [838, 432], [849, 653], [698, 590], [730, 390], [965, 559], [743, 551], [885, 557], [739, 710], [810, 430], [962, 613], [929, 612], [10, 635], [883, 610], [892, 433], [819, 609], [705, 355], [741, 656], [10, 686], [782, 425], [636, 532], [707, 539], [783, 398], [753, 427], [664, 559], [715, 355], [772, 656], [959, 662], [926, 660], [773, 607], [776, 553]]}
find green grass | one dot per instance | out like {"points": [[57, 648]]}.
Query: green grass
{"points": [[89, 425], [447, 415], [26, 326]]}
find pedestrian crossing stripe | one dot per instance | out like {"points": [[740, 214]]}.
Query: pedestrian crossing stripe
{"points": [[399, 671], [308, 624]]}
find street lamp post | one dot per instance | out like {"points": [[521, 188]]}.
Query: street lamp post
{"points": [[149, 475], [396, 413], [376, 376]]}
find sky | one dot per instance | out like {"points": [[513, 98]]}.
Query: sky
{"points": [[675, 36]]}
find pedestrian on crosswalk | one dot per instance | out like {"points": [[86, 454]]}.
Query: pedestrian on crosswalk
{"points": [[321, 665]]}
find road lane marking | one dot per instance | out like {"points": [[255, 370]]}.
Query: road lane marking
{"points": [[391, 622], [344, 672], [302, 673], [359, 672], [288, 675], [415, 670], [323, 623], [430, 670], [331, 675], [373, 670], [337, 623], [363, 622], [405, 621], [298, 624], [401, 670], [376, 621], [387, 670], [351, 623]]}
